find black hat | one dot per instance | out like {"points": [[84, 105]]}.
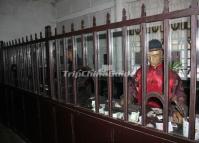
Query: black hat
{"points": [[154, 45]]}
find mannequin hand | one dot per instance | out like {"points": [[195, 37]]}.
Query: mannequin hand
{"points": [[177, 117]]}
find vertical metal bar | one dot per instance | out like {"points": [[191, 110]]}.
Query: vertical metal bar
{"points": [[22, 67], [83, 50], [25, 68], [96, 60], [109, 53], [4, 64], [48, 60], [37, 69], [125, 65], [193, 78], [1, 62], [11, 62], [84, 57], [52, 67], [74, 69], [33, 66], [18, 65], [65, 70], [28, 66], [58, 67], [16, 78], [14, 59], [96, 52], [21, 56], [144, 66], [4, 68], [125, 78], [8, 65], [44, 67], [144, 70], [167, 52], [40, 67]]}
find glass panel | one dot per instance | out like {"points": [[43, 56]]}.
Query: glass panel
{"points": [[21, 66], [85, 86], [44, 68], [179, 76], [89, 50], [102, 71], [134, 63], [155, 76], [25, 67], [79, 54], [85, 79], [69, 72], [54, 69], [8, 63], [34, 66], [62, 69], [30, 67], [58, 67], [14, 67], [18, 66], [117, 70]]}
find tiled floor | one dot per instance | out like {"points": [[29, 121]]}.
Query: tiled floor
{"points": [[8, 136]]}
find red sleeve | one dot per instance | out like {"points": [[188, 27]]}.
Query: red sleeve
{"points": [[135, 86], [178, 89]]}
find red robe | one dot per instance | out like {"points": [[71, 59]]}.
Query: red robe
{"points": [[155, 83]]}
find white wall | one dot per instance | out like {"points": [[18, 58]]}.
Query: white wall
{"points": [[69, 11], [73, 11], [24, 17]]}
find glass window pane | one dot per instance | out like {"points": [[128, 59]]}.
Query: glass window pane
{"points": [[69, 63], [53, 60], [179, 64], [88, 41], [155, 75], [134, 63], [85, 79], [62, 69], [79, 54], [102, 71], [117, 73]]}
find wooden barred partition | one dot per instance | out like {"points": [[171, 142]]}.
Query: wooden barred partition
{"points": [[36, 103]]}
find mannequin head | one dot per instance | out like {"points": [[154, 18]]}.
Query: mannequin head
{"points": [[155, 53]]}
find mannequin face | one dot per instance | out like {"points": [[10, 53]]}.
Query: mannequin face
{"points": [[155, 58]]}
